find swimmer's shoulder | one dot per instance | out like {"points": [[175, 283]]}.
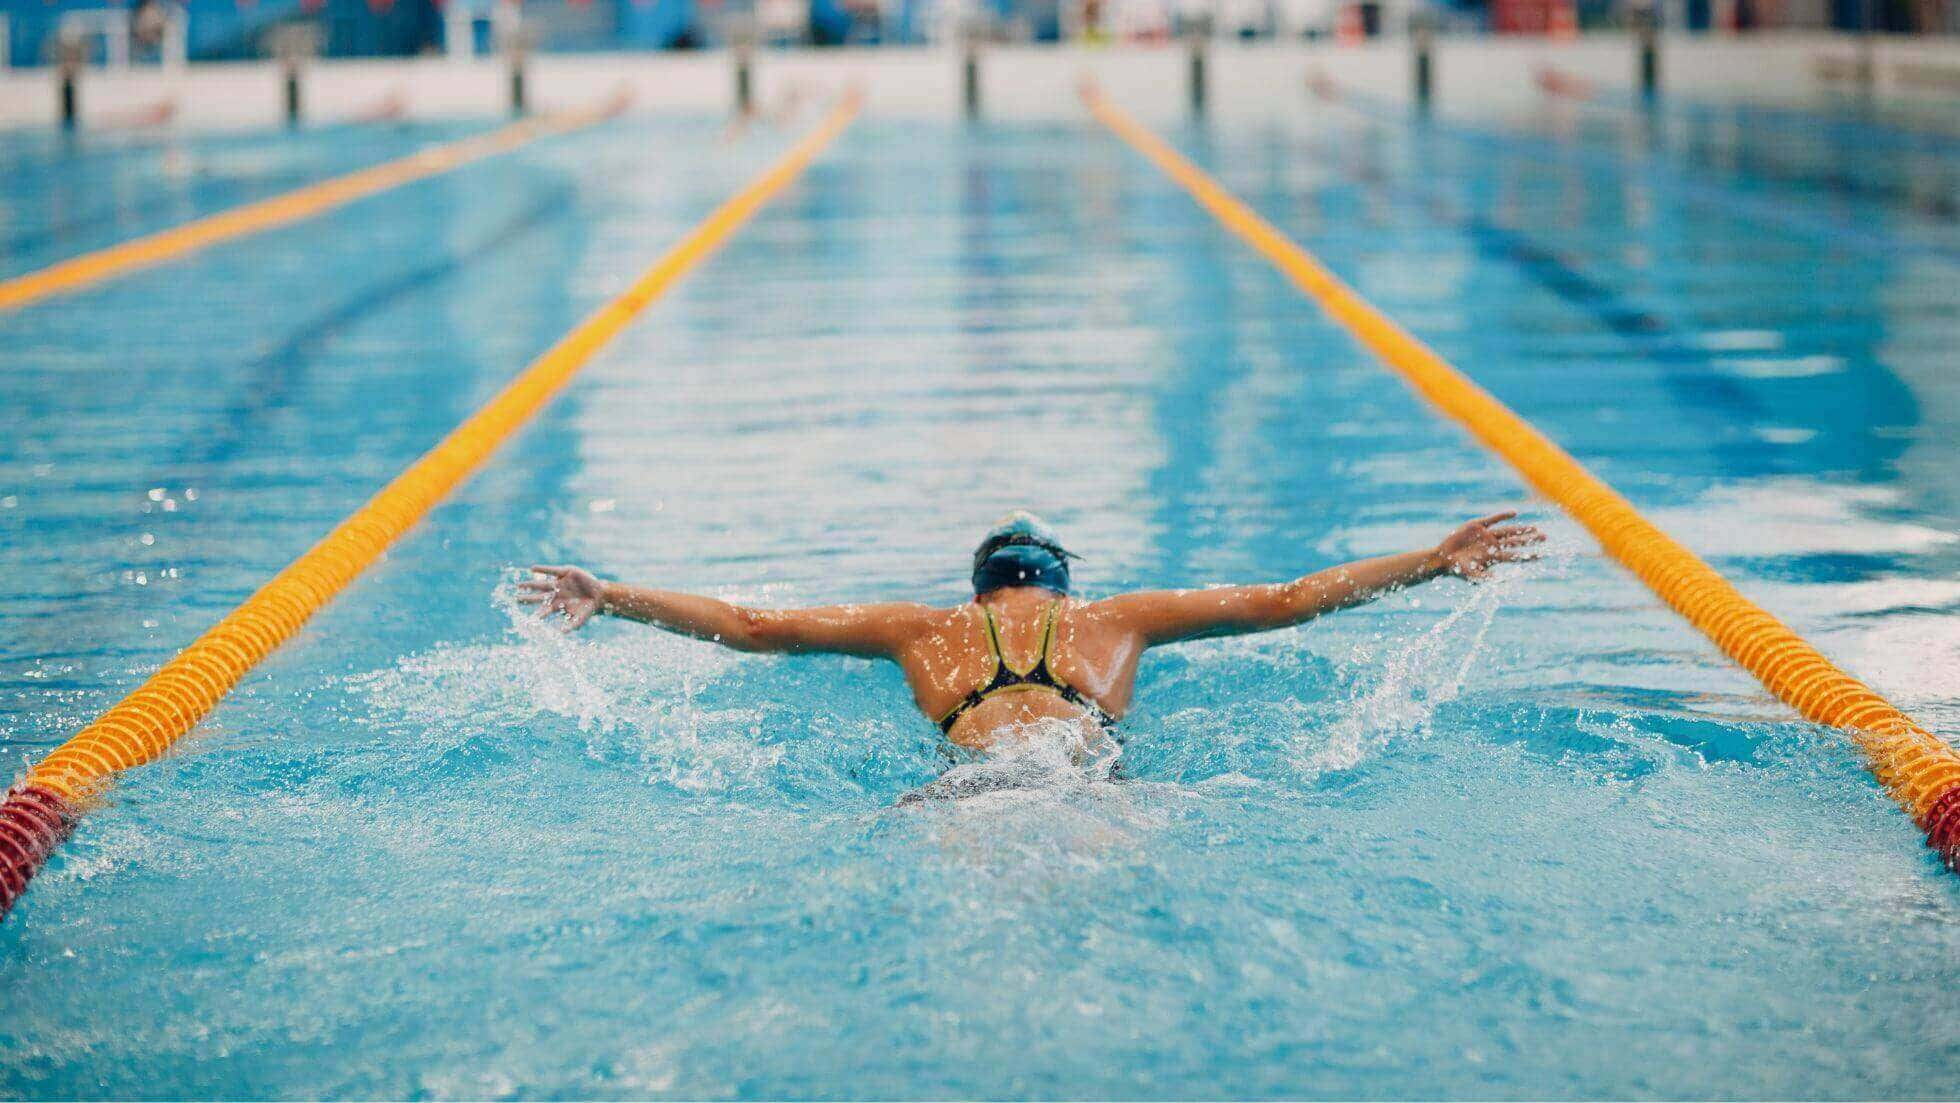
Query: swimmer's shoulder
{"points": [[929, 626]]}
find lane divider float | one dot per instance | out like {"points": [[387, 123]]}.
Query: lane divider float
{"points": [[40, 811], [1918, 768], [149, 250]]}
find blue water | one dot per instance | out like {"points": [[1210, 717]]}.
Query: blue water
{"points": [[67, 195], [1530, 839]]}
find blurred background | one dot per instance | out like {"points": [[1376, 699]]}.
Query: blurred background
{"points": [[1539, 839], [216, 30]]}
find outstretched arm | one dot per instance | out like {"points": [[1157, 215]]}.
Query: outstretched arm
{"points": [[872, 631], [1167, 616]]}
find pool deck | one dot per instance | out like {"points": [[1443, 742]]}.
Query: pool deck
{"points": [[1014, 82]]}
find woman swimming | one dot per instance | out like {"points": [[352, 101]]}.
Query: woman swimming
{"points": [[1023, 651]]}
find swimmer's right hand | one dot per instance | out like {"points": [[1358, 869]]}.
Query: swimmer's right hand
{"points": [[568, 590]]}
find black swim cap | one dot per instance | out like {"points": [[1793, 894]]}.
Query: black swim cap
{"points": [[1021, 550]]}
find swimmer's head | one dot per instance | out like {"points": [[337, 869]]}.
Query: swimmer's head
{"points": [[1020, 550]]}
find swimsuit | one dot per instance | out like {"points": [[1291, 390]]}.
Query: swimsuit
{"points": [[1006, 679]]}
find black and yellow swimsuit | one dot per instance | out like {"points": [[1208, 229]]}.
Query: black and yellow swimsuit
{"points": [[1040, 676]]}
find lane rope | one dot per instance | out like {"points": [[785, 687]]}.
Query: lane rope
{"points": [[38, 812], [150, 250], [1918, 768]]}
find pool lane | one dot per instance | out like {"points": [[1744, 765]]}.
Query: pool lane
{"points": [[1857, 131], [328, 342], [168, 245], [62, 197], [1917, 768], [1824, 363], [1855, 159], [1781, 345], [166, 708], [1726, 385], [1848, 173], [1797, 206]]}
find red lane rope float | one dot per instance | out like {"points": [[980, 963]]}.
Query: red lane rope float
{"points": [[38, 812], [1918, 768], [280, 210]]}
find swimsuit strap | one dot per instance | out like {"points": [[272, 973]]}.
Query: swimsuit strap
{"points": [[1048, 633], [977, 695], [1055, 681], [1037, 676], [1000, 649], [1040, 671]]}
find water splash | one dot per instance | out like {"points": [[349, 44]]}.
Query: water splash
{"points": [[645, 698], [1047, 805], [1418, 675], [1045, 758]]}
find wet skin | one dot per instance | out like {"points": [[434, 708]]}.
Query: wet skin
{"points": [[944, 652]]}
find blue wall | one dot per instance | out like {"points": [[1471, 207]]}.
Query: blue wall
{"points": [[656, 24], [226, 29]]}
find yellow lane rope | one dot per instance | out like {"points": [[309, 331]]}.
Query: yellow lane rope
{"points": [[159, 713], [1917, 767], [280, 210]]}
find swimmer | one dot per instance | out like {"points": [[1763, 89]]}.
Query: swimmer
{"points": [[1024, 650]]}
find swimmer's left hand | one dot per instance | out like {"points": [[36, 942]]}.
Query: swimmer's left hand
{"points": [[1471, 551], [573, 591]]}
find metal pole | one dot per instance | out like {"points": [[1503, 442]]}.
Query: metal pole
{"points": [[1197, 28], [70, 75], [1649, 21], [970, 77], [69, 106], [517, 97], [1198, 89], [293, 44], [1422, 38], [1868, 51]]}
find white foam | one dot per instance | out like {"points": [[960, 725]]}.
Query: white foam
{"points": [[634, 695], [1418, 674]]}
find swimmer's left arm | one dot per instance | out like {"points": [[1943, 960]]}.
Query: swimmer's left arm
{"points": [[1168, 616]]}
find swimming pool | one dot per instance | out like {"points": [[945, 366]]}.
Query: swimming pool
{"points": [[1533, 839]]}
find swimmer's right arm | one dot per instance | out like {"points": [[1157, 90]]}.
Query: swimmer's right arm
{"points": [[869, 631]]}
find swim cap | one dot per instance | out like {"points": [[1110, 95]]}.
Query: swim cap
{"points": [[1020, 550]]}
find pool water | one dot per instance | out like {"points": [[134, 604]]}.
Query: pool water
{"points": [[1535, 838]]}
